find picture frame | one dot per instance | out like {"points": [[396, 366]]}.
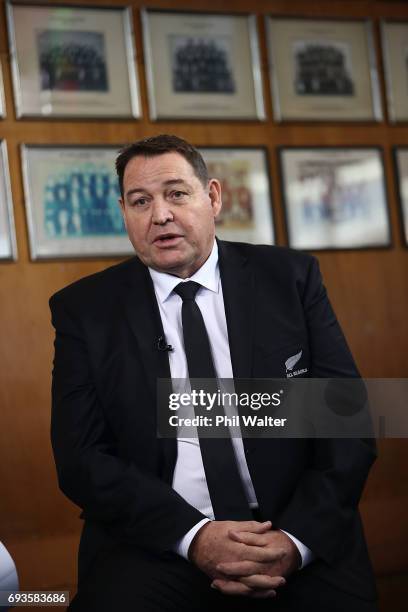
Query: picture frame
{"points": [[202, 65], [2, 97], [71, 197], [394, 42], [323, 69], [73, 61], [247, 213], [401, 174], [335, 197], [8, 244]]}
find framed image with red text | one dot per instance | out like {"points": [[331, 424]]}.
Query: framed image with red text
{"points": [[246, 214]]}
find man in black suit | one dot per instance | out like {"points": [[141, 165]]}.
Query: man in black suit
{"points": [[155, 536]]}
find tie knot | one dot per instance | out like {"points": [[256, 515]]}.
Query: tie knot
{"points": [[187, 291]]}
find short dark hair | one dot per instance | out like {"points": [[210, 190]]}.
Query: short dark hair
{"points": [[158, 145]]}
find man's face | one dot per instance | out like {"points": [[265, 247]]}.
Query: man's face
{"points": [[169, 215]]}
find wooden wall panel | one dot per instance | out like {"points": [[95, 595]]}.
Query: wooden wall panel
{"points": [[369, 289]]}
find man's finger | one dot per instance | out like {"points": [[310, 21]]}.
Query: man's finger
{"points": [[263, 581], [239, 568], [231, 587], [262, 554], [255, 526], [246, 537]]}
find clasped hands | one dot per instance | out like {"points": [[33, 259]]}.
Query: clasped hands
{"points": [[244, 557]]}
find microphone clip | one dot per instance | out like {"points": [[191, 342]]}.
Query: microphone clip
{"points": [[162, 345]]}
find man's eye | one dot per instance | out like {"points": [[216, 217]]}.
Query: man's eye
{"points": [[139, 202], [178, 194]]}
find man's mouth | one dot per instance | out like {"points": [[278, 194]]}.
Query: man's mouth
{"points": [[166, 240]]}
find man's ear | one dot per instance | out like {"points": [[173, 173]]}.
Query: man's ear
{"points": [[214, 191]]}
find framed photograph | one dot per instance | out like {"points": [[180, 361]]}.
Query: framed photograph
{"points": [[323, 70], [246, 214], [72, 61], [335, 198], [2, 99], [401, 163], [8, 246], [202, 65], [394, 37], [71, 196]]}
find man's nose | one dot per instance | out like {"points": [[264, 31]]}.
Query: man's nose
{"points": [[161, 212]]}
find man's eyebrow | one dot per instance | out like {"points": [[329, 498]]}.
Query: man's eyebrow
{"points": [[168, 183], [135, 190], [176, 181]]}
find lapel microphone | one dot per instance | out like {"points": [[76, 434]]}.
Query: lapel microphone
{"points": [[162, 345]]}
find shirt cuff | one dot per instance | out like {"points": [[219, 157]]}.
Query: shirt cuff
{"points": [[305, 552], [182, 545]]}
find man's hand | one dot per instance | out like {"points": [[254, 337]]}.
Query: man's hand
{"points": [[252, 574], [220, 544]]}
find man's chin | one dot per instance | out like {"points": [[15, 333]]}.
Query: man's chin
{"points": [[171, 264]]}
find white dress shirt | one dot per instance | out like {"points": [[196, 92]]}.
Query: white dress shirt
{"points": [[189, 477]]}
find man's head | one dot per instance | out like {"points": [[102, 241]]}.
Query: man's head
{"points": [[168, 203]]}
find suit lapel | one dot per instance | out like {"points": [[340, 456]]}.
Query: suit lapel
{"points": [[238, 287], [143, 315]]}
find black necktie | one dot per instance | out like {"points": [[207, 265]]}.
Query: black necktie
{"points": [[225, 486]]}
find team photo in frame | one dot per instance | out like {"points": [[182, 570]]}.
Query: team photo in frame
{"points": [[202, 65], [334, 197], [73, 61], [322, 69], [8, 246], [246, 214], [71, 197]]}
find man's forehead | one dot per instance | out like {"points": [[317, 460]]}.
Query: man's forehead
{"points": [[159, 169]]}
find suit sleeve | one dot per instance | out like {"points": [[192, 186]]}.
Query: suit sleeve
{"points": [[323, 509], [134, 506]]}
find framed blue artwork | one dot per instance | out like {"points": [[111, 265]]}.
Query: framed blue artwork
{"points": [[71, 196]]}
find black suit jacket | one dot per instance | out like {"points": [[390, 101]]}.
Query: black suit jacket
{"points": [[109, 459]]}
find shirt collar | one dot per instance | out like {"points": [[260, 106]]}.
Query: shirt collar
{"points": [[208, 276]]}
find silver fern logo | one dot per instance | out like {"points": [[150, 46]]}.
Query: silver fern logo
{"points": [[292, 361], [290, 364]]}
